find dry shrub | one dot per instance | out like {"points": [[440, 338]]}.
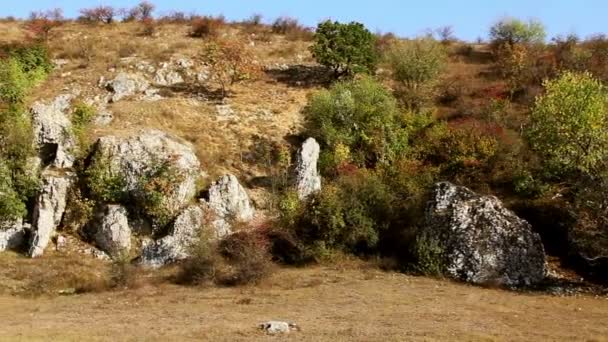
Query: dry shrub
{"points": [[123, 274], [247, 258], [175, 17], [229, 62], [207, 27], [149, 27], [40, 24], [100, 14], [239, 259], [54, 275], [291, 29]]}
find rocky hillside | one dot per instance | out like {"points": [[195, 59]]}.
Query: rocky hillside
{"points": [[145, 144]]}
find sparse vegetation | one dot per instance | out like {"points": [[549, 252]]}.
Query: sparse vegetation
{"points": [[416, 66], [229, 63]]}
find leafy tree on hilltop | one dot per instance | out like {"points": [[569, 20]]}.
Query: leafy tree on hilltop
{"points": [[345, 48]]}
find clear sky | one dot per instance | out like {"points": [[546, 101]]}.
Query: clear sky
{"points": [[469, 18]]}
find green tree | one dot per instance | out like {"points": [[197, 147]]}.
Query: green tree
{"points": [[345, 48], [569, 124], [416, 66], [515, 31], [358, 118]]}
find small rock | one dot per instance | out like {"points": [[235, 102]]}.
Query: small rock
{"points": [[61, 243], [225, 112], [277, 327], [126, 84]]}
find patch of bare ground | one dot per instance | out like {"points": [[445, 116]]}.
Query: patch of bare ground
{"points": [[353, 302]]}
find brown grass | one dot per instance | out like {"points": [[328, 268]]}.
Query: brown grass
{"points": [[347, 303]]}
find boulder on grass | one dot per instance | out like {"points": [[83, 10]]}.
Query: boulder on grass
{"points": [[481, 240]]}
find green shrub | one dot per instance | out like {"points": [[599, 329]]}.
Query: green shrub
{"points": [[153, 188], [569, 124], [11, 205], [103, 183], [457, 149], [82, 116], [360, 115], [35, 60], [15, 82], [348, 215], [345, 48], [514, 31], [21, 181], [416, 66], [429, 256]]}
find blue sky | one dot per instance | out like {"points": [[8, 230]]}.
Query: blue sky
{"points": [[469, 18]]}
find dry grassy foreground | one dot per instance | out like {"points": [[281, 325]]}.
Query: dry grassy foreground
{"points": [[329, 304]]}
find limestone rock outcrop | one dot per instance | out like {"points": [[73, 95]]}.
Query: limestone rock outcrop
{"points": [[49, 209], [228, 202], [133, 156], [53, 132], [481, 240], [12, 234], [113, 234], [308, 180]]}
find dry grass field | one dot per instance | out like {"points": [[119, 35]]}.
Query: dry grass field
{"points": [[351, 302]]}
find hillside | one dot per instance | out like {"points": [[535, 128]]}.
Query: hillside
{"points": [[189, 178]]}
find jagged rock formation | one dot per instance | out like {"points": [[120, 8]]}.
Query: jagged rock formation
{"points": [[113, 234], [125, 85], [53, 132], [308, 180], [228, 202], [48, 210], [135, 155], [12, 235], [175, 246], [481, 240]]}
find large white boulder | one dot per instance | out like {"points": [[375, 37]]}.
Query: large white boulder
{"points": [[481, 240], [134, 156]]}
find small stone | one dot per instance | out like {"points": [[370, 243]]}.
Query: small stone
{"points": [[277, 327]]}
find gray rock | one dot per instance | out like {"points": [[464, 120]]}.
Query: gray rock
{"points": [[481, 240], [112, 231], [135, 155], [225, 112], [277, 327], [308, 180], [48, 210], [12, 235], [228, 202], [177, 244], [53, 132], [61, 243], [166, 76], [124, 85], [151, 95]]}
